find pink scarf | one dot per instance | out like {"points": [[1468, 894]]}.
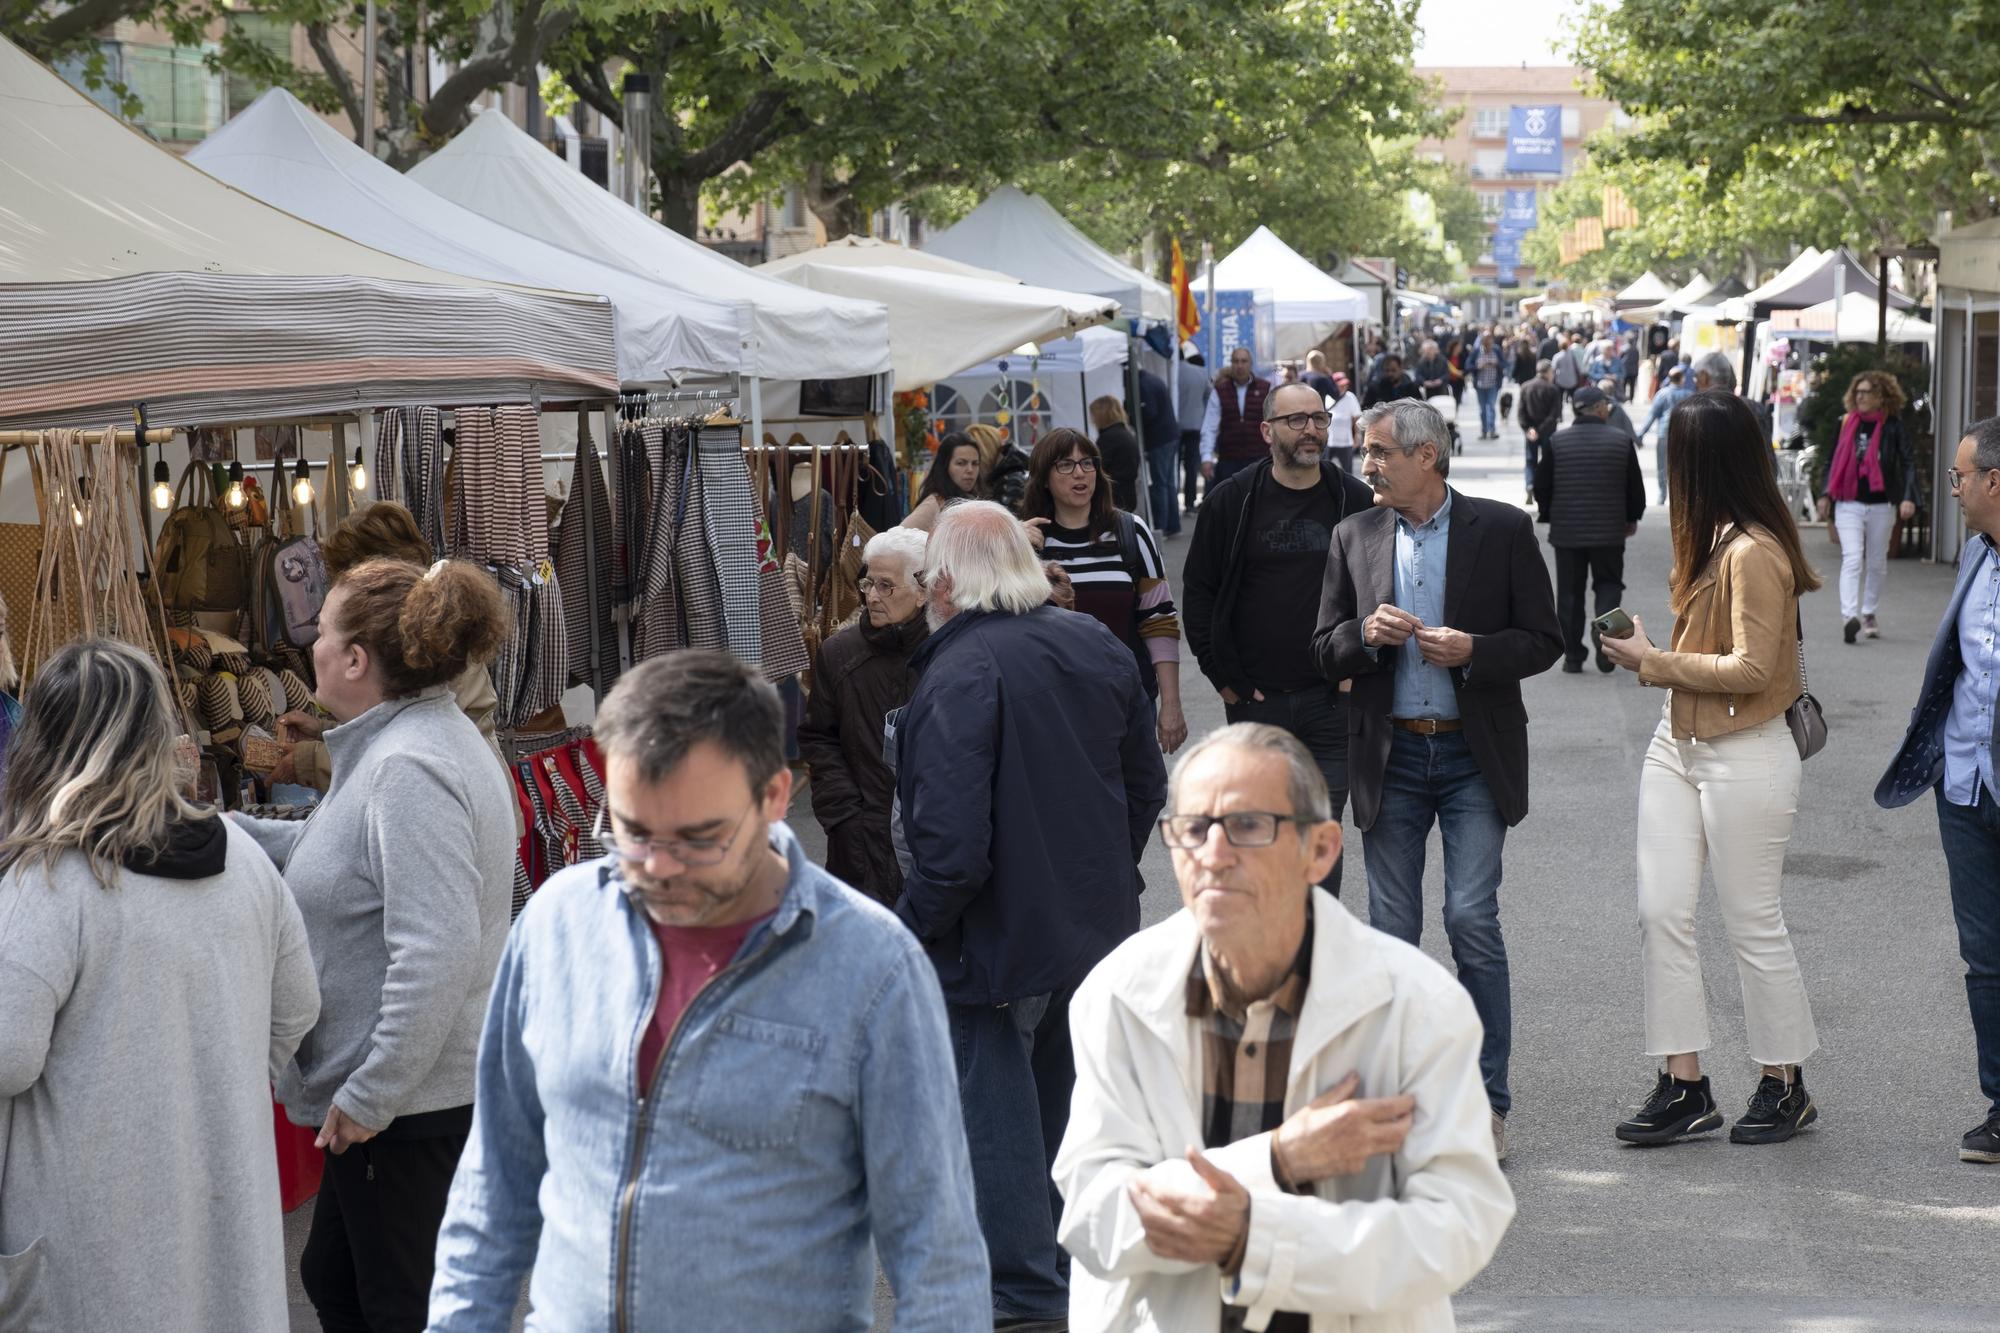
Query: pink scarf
{"points": [[1844, 483]]}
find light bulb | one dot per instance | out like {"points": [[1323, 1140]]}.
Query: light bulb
{"points": [[358, 474], [76, 505], [163, 486], [302, 488], [233, 497], [76, 515]]}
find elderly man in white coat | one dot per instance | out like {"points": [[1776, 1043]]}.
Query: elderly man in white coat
{"points": [[1279, 1121]]}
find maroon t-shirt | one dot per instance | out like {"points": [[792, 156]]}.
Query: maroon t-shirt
{"points": [[689, 956]]}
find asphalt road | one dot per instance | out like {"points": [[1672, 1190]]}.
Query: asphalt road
{"points": [[1867, 1223]]}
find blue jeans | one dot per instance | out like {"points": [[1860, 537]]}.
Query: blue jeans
{"points": [[1318, 718], [1163, 486], [1489, 410], [1971, 838], [1435, 779], [1534, 451], [1015, 1074]]}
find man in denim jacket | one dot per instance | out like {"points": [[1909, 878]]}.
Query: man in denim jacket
{"points": [[711, 1074]]}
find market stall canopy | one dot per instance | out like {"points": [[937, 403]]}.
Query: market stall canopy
{"points": [[867, 252], [284, 154], [1648, 289], [939, 323], [1371, 285], [1802, 284], [1090, 350], [1855, 322], [1969, 257], [1021, 234], [1304, 292], [1698, 293], [127, 275], [495, 169]]}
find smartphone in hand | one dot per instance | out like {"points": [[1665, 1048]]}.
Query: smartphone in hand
{"points": [[1614, 624]]}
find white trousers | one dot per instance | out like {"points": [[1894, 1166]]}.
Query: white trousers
{"points": [[1727, 803], [1864, 554]]}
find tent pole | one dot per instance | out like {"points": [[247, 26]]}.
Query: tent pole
{"points": [[757, 411], [1881, 305]]}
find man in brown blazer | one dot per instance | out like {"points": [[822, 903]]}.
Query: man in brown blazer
{"points": [[1437, 605]]}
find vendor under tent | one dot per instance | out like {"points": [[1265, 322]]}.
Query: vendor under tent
{"points": [[1855, 318], [1021, 234], [283, 153], [495, 169], [941, 322], [1309, 303], [127, 276]]}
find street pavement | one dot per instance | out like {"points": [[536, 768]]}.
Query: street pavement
{"points": [[1866, 1223]]}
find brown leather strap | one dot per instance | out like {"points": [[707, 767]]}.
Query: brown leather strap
{"points": [[1427, 726]]}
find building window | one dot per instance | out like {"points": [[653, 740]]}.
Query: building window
{"points": [[267, 32], [1489, 162], [1489, 122], [1572, 122], [179, 96], [1490, 203]]}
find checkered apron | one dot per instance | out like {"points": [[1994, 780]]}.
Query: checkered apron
{"points": [[657, 626]]}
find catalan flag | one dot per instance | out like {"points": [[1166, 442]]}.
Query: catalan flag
{"points": [[1187, 315]]}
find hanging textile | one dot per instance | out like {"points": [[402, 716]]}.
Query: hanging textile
{"points": [[561, 790], [730, 523], [702, 622], [784, 646], [659, 626], [86, 581], [584, 559], [409, 448]]}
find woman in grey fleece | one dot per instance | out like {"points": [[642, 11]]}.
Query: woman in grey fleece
{"points": [[404, 874], [154, 976]]}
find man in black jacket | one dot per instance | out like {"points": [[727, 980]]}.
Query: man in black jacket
{"points": [[1436, 605], [1592, 493], [1250, 588], [1540, 413]]}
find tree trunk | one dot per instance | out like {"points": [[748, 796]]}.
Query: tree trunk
{"points": [[679, 196]]}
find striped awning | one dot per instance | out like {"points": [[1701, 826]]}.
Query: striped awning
{"points": [[127, 276]]}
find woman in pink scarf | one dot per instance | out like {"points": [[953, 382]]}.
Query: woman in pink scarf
{"points": [[1871, 484]]}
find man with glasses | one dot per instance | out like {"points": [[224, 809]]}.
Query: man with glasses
{"points": [[1250, 587], [1278, 1117], [714, 1082], [1954, 730]]}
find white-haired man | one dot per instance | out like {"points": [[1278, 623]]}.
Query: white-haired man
{"points": [[1029, 779], [1279, 1121]]}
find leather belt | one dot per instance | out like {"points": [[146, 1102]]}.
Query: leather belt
{"points": [[1427, 726]]}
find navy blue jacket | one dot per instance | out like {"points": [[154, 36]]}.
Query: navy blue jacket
{"points": [[1030, 777], [1156, 411], [1919, 762]]}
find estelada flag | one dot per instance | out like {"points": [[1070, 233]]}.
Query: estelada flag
{"points": [[1187, 315]]}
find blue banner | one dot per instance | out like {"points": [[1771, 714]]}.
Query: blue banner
{"points": [[1506, 248], [1239, 320], [1505, 277], [1535, 139], [1517, 213]]}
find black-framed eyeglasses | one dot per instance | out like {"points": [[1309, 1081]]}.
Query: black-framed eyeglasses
{"points": [[1066, 466], [1240, 828], [1300, 420], [687, 851], [1958, 478]]}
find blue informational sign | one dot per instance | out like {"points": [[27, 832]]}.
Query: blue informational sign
{"points": [[1241, 319], [1506, 248], [1517, 212], [1535, 139], [1505, 277]]}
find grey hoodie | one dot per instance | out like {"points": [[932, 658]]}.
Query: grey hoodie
{"points": [[405, 877]]}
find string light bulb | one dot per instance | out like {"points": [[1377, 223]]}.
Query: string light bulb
{"points": [[358, 474], [82, 497], [302, 486], [163, 486], [233, 497]]}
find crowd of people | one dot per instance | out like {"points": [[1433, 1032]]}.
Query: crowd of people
{"points": [[704, 1080]]}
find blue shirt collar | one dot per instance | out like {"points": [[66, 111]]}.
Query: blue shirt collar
{"points": [[1437, 522]]}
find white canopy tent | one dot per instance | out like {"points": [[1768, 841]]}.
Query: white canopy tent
{"points": [[941, 321], [284, 154], [1649, 288], [867, 252], [495, 169], [1309, 302], [127, 275], [1046, 385], [1021, 234], [1852, 319]]}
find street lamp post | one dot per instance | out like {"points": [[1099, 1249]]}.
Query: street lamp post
{"points": [[368, 82]]}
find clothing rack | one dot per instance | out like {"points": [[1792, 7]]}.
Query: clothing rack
{"points": [[22, 439]]}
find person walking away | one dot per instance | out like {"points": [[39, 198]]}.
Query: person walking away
{"points": [[1119, 449], [1389, 384], [1454, 356], [1230, 436], [1540, 415], [1524, 368], [1192, 389], [1321, 382], [1870, 485], [1437, 605], [1593, 493], [1628, 361], [1664, 402], [1720, 782], [954, 475], [1949, 750], [1113, 562], [1343, 433], [1571, 363], [1488, 366], [1251, 584], [154, 976], [405, 878], [1162, 445], [1029, 780], [1670, 356], [862, 675], [1339, 1161]]}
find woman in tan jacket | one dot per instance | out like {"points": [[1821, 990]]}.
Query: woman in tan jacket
{"points": [[1720, 784]]}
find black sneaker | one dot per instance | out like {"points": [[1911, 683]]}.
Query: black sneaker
{"points": [[1982, 1144], [1777, 1111], [1851, 629], [1572, 668], [1675, 1110]]}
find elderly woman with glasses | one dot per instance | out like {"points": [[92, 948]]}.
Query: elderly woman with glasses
{"points": [[1870, 484], [863, 673], [1113, 561]]}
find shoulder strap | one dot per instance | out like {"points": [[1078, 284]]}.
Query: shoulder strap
{"points": [[1128, 546]]}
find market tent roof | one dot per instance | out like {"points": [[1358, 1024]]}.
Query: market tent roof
{"points": [[1303, 293], [126, 275], [1021, 234], [939, 322], [1801, 285], [495, 169], [284, 154], [1369, 283], [1648, 289], [867, 252], [1698, 292], [1090, 349], [1856, 322], [1969, 257]]}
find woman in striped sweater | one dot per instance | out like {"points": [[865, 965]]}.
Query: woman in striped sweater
{"points": [[1112, 560]]}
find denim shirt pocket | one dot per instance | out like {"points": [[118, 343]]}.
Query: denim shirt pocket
{"points": [[750, 1079]]}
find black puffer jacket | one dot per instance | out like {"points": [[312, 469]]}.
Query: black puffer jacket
{"points": [[1008, 481], [861, 674]]}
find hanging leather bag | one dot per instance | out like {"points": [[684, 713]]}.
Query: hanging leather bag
{"points": [[199, 563]]}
